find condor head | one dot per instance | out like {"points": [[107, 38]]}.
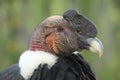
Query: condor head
{"points": [[62, 35]]}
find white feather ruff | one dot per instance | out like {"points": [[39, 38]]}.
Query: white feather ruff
{"points": [[30, 60]]}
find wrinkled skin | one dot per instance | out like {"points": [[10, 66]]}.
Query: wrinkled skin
{"points": [[57, 37], [62, 41]]}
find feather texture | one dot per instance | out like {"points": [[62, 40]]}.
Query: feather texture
{"points": [[12, 73], [72, 67]]}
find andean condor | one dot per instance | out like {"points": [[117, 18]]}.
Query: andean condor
{"points": [[53, 51]]}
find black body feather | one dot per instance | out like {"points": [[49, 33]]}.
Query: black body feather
{"points": [[72, 67], [12, 73]]}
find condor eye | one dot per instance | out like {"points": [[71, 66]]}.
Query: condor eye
{"points": [[59, 29], [79, 31]]}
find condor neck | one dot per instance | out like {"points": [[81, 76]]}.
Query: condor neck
{"points": [[35, 46], [37, 43]]}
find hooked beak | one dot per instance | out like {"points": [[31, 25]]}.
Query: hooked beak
{"points": [[95, 45]]}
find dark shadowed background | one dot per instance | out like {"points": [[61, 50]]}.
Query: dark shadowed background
{"points": [[18, 19]]}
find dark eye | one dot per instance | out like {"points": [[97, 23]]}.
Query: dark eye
{"points": [[79, 31], [59, 29]]}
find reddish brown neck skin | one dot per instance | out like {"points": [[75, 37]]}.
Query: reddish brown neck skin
{"points": [[37, 42], [36, 45]]}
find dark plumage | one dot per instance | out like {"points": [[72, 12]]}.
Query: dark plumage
{"points": [[12, 73], [72, 67], [53, 55]]}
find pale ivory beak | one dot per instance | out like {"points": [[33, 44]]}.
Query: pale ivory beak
{"points": [[95, 45]]}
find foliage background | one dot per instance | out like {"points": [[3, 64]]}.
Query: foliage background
{"points": [[18, 19]]}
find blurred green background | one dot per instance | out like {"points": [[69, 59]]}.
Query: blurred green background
{"points": [[18, 19]]}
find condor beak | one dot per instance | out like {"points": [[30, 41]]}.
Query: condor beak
{"points": [[95, 45]]}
